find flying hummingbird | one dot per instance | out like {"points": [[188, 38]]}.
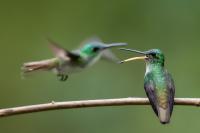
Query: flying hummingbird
{"points": [[67, 62], [158, 83]]}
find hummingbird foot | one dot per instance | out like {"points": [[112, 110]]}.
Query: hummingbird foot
{"points": [[120, 62], [63, 77]]}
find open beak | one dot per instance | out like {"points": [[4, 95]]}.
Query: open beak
{"points": [[114, 45], [134, 58]]}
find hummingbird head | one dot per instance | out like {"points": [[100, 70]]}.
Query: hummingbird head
{"points": [[153, 56], [94, 48]]}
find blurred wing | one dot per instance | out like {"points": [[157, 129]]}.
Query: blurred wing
{"points": [[171, 87], [61, 52], [109, 55], [90, 40], [149, 88]]}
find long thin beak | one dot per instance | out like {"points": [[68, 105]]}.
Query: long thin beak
{"points": [[134, 58], [114, 45], [132, 50]]}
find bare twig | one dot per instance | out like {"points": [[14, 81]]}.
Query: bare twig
{"points": [[89, 103]]}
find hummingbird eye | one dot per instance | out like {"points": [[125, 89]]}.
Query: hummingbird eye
{"points": [[153, 54], [95, 49]]}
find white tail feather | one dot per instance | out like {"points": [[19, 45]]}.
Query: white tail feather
{"points": [[164, 115], [40, 65]]}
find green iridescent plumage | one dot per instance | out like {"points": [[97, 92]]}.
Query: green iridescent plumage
{"points": [[158, 83], [67, 62]]}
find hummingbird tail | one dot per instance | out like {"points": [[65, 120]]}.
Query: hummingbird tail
{"points": [[164, 115], [40, 65]]}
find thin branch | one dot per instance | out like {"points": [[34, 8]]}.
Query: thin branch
{"points": [[89, 103]]}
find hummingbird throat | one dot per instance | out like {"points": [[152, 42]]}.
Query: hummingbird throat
{"points": [[153, 67]]}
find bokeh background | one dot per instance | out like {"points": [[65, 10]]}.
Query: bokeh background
{"points": [[172, 25]]}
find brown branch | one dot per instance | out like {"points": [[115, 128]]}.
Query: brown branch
{"points": [[89, 103]]}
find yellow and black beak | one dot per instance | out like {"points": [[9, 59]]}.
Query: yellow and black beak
{"points": [[134, 58]]}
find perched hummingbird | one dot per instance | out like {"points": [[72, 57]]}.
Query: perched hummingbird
{"points": [[67, 62], [158, 83]]}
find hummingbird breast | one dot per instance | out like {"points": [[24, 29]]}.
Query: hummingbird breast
{"points": [[160, 85], [70, 67]]}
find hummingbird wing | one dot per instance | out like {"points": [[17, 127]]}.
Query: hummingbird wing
{"points": [[61, 52], [109, 55], [90, 40], [150, 91], [171, 93]]}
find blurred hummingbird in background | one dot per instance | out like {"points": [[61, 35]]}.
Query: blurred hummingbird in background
{"points": [[158, 83], [67, 62]]}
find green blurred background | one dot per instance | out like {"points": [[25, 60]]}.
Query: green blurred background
{"points": [[171, 25]]}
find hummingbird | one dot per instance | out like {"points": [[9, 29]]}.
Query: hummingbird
{"points": [[158, 83], [67, 62]]}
